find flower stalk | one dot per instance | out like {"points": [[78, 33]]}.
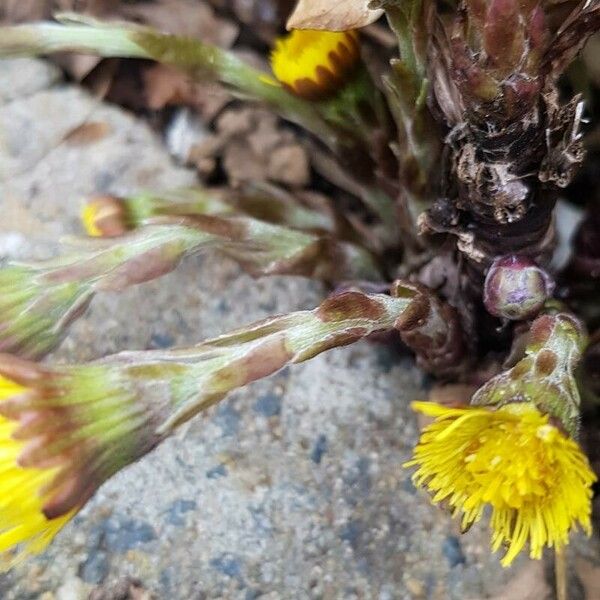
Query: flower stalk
{"points": [[202, 61], [359, 152], [258, 200], [38, 301], [66, 429]]}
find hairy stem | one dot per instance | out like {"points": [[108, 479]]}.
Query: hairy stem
{"points": [[39, 301], [202, 61]]}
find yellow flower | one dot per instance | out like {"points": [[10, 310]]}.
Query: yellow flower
{"points": [[104, 216], [23, 490], [315, 64], [63, 432], [535, 479]]}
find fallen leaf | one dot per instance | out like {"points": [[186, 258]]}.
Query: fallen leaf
{"points": [[528, 584], [165, 86], [98, 8], [15, 11], [263, 19], [88, 133], [589, 575], [184, 17], [332, 15], [289, 165]]}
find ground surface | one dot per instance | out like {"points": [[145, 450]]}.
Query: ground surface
{"points": [[290, 489]]}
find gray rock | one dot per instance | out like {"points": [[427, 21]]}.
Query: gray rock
{"points": [[120, 534], [268, 405], [319, 449], [452, 551], [95, 568], [25, 77], [177, 511]]}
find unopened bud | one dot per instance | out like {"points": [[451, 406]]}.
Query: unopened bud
{"points": [[315, 64], [516, 288], [105, 216]]}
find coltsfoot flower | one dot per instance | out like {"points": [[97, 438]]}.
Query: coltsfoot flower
{"points": [[63, 432], [514, 460], [22, 500], [315, 64]]}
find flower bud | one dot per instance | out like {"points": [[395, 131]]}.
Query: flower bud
{"points": [[516, 288], [105, 216], [315, 64]]}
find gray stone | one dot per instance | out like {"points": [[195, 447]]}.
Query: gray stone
{"points": [[120, 534], [319, 449], [268, 405], [229, 565], [216, 472], [452, 551], [177, 511], [95, 568], [23, 77]]}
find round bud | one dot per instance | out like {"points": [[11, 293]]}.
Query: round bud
{"points": [[105, 216], [516, 288]]}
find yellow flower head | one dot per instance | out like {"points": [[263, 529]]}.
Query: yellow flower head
{"points": [[536, 480], [22, 495], [315, 64], [104, 216], [62, 434]]}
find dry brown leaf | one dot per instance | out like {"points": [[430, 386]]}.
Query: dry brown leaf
{"points": [[253, 146], [589, 575], [242, 164], [528, 584], [88, 133], [165, 86], [264, 19], [94, 7], [15, 11], [289, 165], [184, 17], [332, 15]]}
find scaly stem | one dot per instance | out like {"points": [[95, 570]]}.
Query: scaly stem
{"points": [[349, 141], [201, 375], [39, 301], [406, 88]]}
